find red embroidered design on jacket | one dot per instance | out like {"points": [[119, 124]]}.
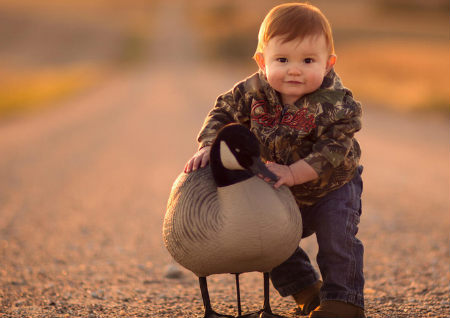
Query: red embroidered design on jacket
{"points": [[300, 120], [261, 115]]}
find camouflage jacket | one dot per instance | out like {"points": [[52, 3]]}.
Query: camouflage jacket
{"points": [[318, 128]]}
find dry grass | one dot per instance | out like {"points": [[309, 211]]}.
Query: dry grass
{"points": [[30, 90], [405, 75]]}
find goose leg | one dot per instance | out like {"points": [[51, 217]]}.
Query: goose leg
{"points": [[266, 312], [209, 312], [238, 294]]}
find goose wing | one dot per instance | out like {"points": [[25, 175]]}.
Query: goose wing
{"points": [[193, 214]]}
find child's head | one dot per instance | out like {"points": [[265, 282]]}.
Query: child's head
{"points": [[294, 21], [295, 49]]}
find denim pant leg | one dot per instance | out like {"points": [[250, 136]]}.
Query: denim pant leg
{"points": [[294, 274], [340, 256]]}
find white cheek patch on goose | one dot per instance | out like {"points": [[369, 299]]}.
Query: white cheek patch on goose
{"points": [[228, 159]]}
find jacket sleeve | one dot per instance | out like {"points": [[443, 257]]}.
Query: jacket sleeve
{"points": [[230, 107], [335, 137]]}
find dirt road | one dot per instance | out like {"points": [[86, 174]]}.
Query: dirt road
{"points": [[83, 189]]}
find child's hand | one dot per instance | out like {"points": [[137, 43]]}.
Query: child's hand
{"points": [[200, 159], [283, 172]]}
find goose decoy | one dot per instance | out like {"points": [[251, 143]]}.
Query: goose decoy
{"points": [[225, 219]]}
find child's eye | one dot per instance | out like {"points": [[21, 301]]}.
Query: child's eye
{"points": [[308, 60], [282, 59]]}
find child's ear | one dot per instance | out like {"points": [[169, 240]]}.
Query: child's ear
{"points": [[330, 63], [259, 58]]}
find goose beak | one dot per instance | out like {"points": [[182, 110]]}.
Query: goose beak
{"points": [[259, 168]]}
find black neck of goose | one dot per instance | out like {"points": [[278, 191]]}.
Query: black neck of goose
{"points": [[223, 176]]}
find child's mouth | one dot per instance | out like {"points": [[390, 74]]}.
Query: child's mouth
{"points": [[294, 82]]}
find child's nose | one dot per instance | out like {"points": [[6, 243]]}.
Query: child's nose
{"points": [[294, 70]]}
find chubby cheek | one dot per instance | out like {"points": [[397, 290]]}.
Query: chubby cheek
{"points": [[315, 80], [274, 78]]}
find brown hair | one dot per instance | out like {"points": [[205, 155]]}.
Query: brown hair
{"points": [[292, 21]]}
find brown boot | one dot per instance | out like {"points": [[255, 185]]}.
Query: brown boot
{"points": [[337, 309], [308, 298]]}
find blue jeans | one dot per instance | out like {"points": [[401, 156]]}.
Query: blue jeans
{"points": [[334, 219]]}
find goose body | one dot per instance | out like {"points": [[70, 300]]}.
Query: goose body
{"points": [[244, 227]]}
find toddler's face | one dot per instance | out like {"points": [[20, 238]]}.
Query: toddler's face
{"points": [[297, 67]]}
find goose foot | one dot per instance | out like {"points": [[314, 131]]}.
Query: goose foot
{"points": [[213, 314], [261, 314], [209, 312]]}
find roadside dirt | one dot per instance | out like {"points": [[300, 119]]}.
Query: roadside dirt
{"points": [[83, 189]]}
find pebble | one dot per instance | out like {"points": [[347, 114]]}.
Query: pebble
{"points": [[369, 291], [99, 294], [67, 296], [151, 281], [173, 271]]}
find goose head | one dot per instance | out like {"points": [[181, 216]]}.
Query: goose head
{"points": [[235, 156]]}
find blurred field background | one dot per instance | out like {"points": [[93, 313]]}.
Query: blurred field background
{"points": [[392, 54], [100, 102]]}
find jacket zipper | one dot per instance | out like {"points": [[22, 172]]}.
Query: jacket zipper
{"points": [[283, 112]]}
